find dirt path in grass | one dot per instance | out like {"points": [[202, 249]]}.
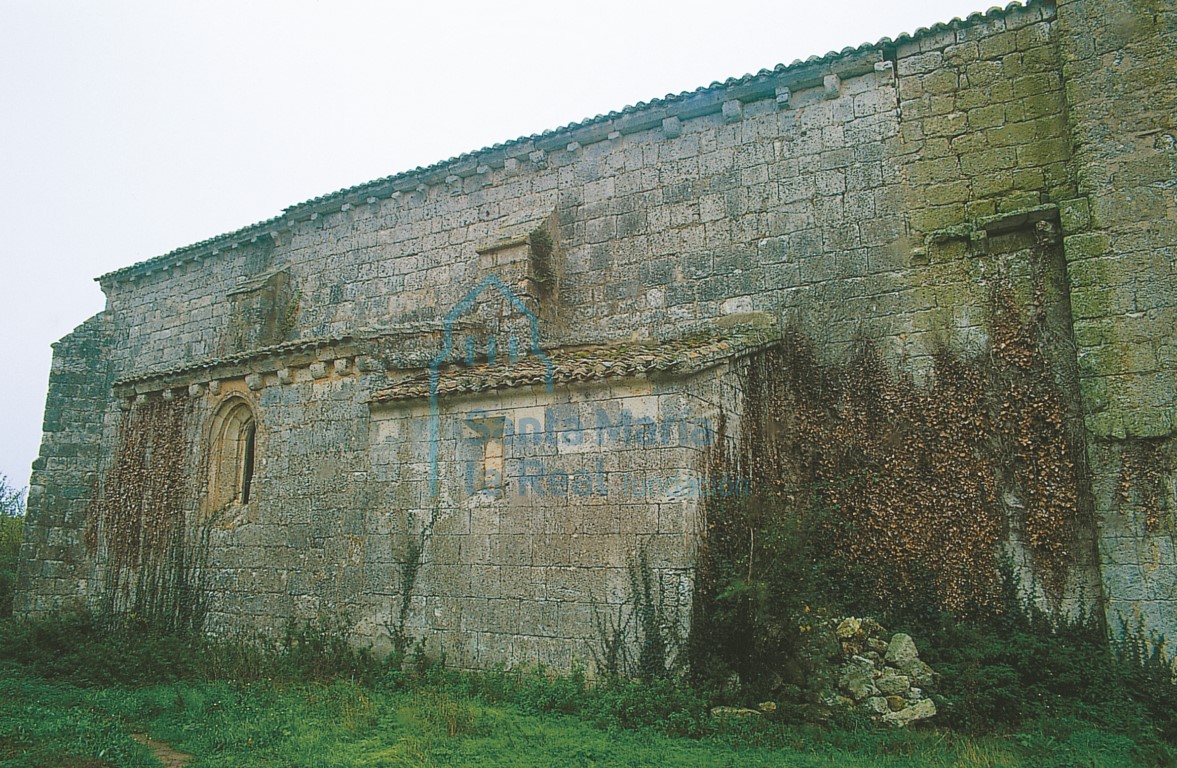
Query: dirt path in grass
{"points": [[164, 753]]}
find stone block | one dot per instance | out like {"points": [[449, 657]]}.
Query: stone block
{"points": [[1086, 245], [921, 63], [733, 111], [831, 86], [930, 219], [1074, 215], [941, 82]]}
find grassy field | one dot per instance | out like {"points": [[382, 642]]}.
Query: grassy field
{"points": [[80, 691], [345, 723]]}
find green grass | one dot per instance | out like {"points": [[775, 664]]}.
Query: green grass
{"points": [[73, 689], [49, 725], [443, 723]]}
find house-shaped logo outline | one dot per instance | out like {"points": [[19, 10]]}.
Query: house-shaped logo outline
{"points": [[463, 306]]}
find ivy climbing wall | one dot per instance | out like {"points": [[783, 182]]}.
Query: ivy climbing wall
{"points": [[925, 483], [140, 530]]}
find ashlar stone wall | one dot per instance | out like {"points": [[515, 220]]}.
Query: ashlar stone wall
{"points": [[531, 559], [885, 194], [1120, 74]]}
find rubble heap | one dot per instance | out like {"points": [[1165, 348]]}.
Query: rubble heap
{"points": [[885, 678]]}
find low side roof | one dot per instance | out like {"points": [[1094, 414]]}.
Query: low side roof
{"points": [[578, 364]]}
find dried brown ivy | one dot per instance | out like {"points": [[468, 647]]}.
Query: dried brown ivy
{"points": [[912, 478]]}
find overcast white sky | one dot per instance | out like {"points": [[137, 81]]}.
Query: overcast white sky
{"points": [[128, 129]]}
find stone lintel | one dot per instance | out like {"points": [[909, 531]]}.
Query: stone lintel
{"points": [[1002, 223]]}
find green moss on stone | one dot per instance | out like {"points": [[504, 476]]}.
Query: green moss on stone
{"points": [[1085, 246], [1090, 303]]}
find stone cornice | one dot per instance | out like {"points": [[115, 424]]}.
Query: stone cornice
{"points": [[363, 352]]}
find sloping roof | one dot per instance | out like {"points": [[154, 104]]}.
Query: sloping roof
{"points": [[577, 364], [409, 179]]}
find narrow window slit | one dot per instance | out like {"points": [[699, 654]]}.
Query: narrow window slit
{"points": [[247, 462]]}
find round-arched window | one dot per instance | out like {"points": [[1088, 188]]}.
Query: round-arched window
{"points": [[234, 455]]}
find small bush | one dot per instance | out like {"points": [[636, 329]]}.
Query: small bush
{"points": [[668, 706], [320, 650], [536, 691], [92, 650], [12, 510], [1001, 671], [759, 576], [10, 534]]}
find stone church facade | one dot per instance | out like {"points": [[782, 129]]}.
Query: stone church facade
{"points": [[458, 404]]}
